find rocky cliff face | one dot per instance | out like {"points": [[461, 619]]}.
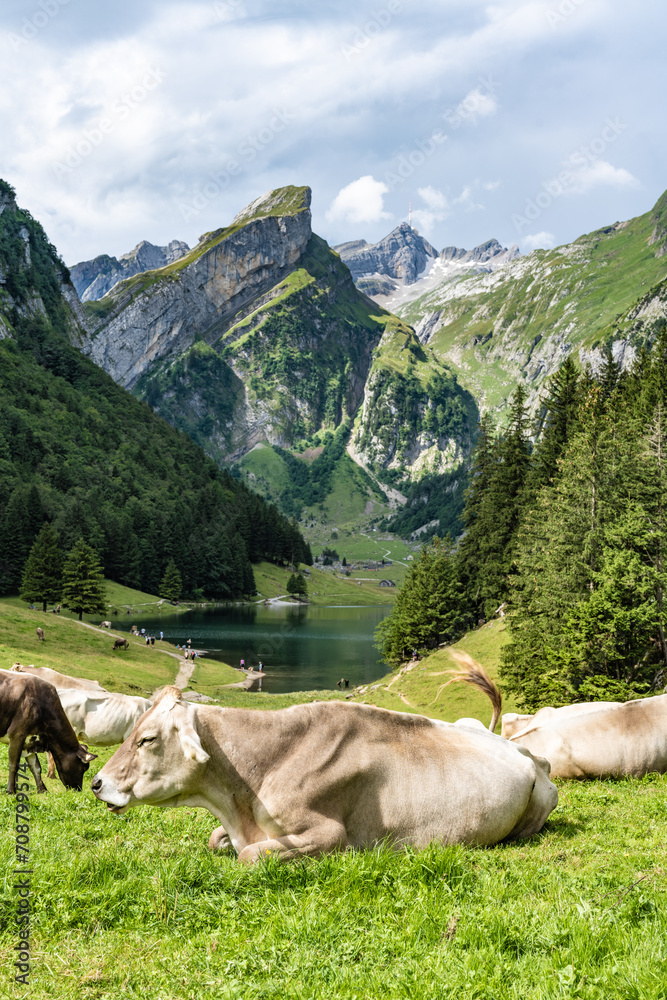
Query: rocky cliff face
{"points": [[34, 283], [160, 313], [416, 419], [258, 334], [94, 278], [403, 255]]}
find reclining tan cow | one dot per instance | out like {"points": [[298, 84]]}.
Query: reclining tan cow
{"points": [[328, 775], [604, 739]]}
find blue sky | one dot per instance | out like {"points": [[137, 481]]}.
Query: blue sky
{"points": [[528, 120]]}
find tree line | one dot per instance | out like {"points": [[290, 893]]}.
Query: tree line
{"points": [[80, 453], [569, 533]]}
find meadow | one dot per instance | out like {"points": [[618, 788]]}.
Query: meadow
{"points": [[130, 906]]}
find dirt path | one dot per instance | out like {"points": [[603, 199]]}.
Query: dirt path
{"points": [[185, 667], [185, 672], [405, 700]]}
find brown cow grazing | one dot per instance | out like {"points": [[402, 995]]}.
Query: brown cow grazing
{"points": [[30, 710], [121, 644], [40, 634]]}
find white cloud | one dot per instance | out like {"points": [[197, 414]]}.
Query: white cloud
{"points": [[467, 200], [360, 201], [533, 241], [436, 211], [476, 104], [599, 173], [434, 199]]}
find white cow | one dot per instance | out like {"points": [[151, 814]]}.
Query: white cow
{"points": [[103, 719], [60, 681], [609, 740], [513, 723], [317, 777], [600, 739]]}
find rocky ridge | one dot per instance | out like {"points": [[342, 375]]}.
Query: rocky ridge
{"points": [[161, 312], [94, 278], [518, 322]]}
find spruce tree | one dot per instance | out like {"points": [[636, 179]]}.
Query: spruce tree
{"points": [[172, 582], [296, 585], [43, 572], [557, 424], [430, 607], [470, 555], [83, 581], [494, 508]]}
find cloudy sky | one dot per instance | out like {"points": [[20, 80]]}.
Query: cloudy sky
{"points": [[529, 120]]}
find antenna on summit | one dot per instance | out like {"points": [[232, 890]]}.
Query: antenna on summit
{"points": [[410, 214]]}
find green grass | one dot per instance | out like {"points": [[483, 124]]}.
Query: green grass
{"points": [[323, 587], [72, 648], [135, 906], [420, 688], [212, 678]]}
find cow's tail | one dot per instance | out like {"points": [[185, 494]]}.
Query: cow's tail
{"points": [[471, 672]]}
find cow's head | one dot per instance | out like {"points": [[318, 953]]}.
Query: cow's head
{"points": [[72, 765], [159, 760]]}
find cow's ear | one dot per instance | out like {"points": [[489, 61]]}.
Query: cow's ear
{"points": [[191, 745], [85, 755]]}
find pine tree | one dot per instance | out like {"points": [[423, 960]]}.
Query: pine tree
{"points": [[172, 583], [83, 586], [296, 585], [583, 605], [430, 607], [43, 572], [494, 509], [470, 560], [557, 424]]}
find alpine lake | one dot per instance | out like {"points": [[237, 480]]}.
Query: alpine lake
{"points": [[301, 647]]}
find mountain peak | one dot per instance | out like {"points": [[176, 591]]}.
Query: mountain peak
{"points": [[289, 200], [94, 278], [403, 254], [491, 250]]}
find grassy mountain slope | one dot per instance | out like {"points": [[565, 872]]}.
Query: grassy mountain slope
{"points": [[294, 363], [520, 322], [79, 451]]}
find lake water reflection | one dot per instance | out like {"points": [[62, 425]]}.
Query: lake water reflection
{"points": [[301, 647]]}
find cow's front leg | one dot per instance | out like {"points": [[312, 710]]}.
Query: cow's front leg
{"points": [[15, 750], [36, 768], [219, 840], [321, 839], [51, 771]]}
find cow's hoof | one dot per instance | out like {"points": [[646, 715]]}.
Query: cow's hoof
{"points": [[219, 841]]}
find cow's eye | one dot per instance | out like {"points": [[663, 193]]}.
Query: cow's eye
{"points": [[145, 739]]}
